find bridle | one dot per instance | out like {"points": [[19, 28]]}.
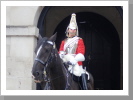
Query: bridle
{"points": [[45, 64], [50, 57]]}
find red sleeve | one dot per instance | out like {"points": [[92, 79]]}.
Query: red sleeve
{"points": [[80, 47], [62, 46]]}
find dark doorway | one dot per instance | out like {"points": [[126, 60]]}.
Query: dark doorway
{"points": [[102, 48]]}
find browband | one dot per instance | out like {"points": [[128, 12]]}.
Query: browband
{"points": [[50, 42]]}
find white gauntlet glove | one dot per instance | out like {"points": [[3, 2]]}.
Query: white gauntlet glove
{"points": [[72, 62], [79, 57], [62, 54]]}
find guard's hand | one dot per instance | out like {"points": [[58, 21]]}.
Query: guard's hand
{"points": [[61, 54], [69, 63], [72, 62]]}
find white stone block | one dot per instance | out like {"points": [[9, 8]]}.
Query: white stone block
{"points": [[19, 84], [8, 40], [16, 70], [19, 62], [24, 84], [22, 15], [22, 31], [11, 84], [21, 47], [8, 49], [10, 61]]}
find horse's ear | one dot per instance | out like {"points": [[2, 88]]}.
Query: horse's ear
{"points": [[53, 37]]}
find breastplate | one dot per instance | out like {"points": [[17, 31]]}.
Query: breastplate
{"points": [[71, 49]]}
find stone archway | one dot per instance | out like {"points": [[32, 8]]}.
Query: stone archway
{"points": [[102, 48], [56, 15]]}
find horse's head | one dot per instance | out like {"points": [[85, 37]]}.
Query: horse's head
{"points": [[43, 52]]}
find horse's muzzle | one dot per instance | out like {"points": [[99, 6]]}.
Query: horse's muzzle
{"points": [[36, 81]]}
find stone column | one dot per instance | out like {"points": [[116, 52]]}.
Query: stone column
{"points": [[21, 39]]}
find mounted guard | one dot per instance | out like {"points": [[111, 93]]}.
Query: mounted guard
{"points": [[72, 51]]}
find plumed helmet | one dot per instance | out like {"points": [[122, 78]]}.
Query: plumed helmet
{"points": [[72, 24]]}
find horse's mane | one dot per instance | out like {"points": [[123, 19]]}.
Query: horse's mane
{"points": [[39, 42]]}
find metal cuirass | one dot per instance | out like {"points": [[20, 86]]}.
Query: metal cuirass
{"points": [[71, 49]]}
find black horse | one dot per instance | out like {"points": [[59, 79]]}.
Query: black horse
{"points": [[50, 71]]}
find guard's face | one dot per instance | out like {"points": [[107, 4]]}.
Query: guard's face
{"points": [[72, 32]]}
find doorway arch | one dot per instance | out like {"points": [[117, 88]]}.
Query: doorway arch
{"points": [[102, 35], [102, 48]]}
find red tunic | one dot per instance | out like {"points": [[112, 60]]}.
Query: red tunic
{"points": [[80, 48]]}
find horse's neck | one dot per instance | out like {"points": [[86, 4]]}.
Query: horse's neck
{"points": [[58, 63]]}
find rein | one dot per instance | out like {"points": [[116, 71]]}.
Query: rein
{"points": [[45, 64], [50, 58]]}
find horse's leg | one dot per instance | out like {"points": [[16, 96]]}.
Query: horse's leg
{"points": [[38, 86], [90, 86], [47, 86], [74, 85]]}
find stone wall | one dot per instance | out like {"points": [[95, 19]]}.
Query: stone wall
{"points": [[21, 39]]}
